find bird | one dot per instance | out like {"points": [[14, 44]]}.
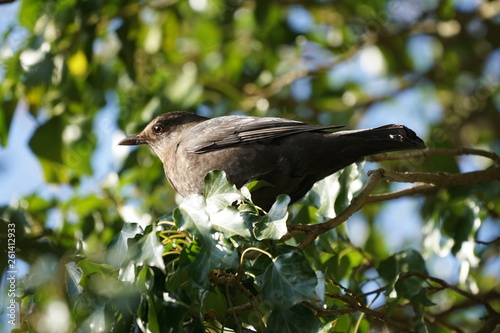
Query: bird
{"points": [[289, 156]]}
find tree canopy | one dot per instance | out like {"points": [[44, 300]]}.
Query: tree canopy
{"points": [[95, 240]]}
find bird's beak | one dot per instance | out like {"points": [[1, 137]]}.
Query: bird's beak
{"points": [[133, 140]]}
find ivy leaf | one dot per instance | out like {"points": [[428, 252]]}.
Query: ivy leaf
{"points": [[230, 222], [409, 287], [327, 191], [203, 255], [401, 262], [297, 319], [97, 320], [192, 216], [273, 224], [288, 280], [347, 188], [118, 247], [218, 192], [202, 258], [148, 250]]}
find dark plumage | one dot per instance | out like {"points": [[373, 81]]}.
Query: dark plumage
{"points": [[290, 155]]}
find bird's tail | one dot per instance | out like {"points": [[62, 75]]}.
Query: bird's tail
{"points": [[387, 138]]}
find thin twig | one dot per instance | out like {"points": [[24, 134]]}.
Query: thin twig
{"points": [[414, 190], [437, 321], [477, 241], [445, 284], [376, 314], [428, 182]]}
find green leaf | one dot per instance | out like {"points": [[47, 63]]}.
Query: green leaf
{"points": [[73, 280], [288, 280], [118, 247], [230, 222], [148, 250], [29, 13], [255, 185], [192, 216], [409, 287], [401, 262], [8, 107], [203, 255], [203, 259], [153, 325], [97, 320], [345, 194], [297, 319], [219, 193], [214, 303], [388, 269], [323, 195], [458, 222], [47, 141], [273, 224], [412, 261], [88, 268]]}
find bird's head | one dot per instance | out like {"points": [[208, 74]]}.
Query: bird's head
{"points": [[159, 133]]}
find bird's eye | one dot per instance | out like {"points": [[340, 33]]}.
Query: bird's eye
{"points": [[158, 129]]}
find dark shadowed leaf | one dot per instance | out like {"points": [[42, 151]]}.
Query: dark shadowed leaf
{"points": [[288, 280], [401, 262], [409, 287], [47, 141], [297, 319]]}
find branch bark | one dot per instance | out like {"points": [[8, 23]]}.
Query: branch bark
{"points": [[433, 151]]}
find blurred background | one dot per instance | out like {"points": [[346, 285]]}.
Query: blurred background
{"points": [[77, 76]]}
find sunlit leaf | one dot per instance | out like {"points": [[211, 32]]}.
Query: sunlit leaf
{"points": [[230, 222], [347, 188], [273, 224], [78, 64], [148, 250], [218, 192], [29, 13], [118, 247]]}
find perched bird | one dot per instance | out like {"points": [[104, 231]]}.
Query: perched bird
{"points": [[290, 155]]}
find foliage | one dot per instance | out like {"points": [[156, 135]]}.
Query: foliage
{"points": [[104, 243]]}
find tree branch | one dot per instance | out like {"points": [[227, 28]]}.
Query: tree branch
{"points": [[429, 182], [433, 151], [442, 179], [414, 190], [443, 283], [314, 230], [354, 304]]}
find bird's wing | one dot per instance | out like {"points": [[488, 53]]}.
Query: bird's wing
{"points": [[226, 131]]}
